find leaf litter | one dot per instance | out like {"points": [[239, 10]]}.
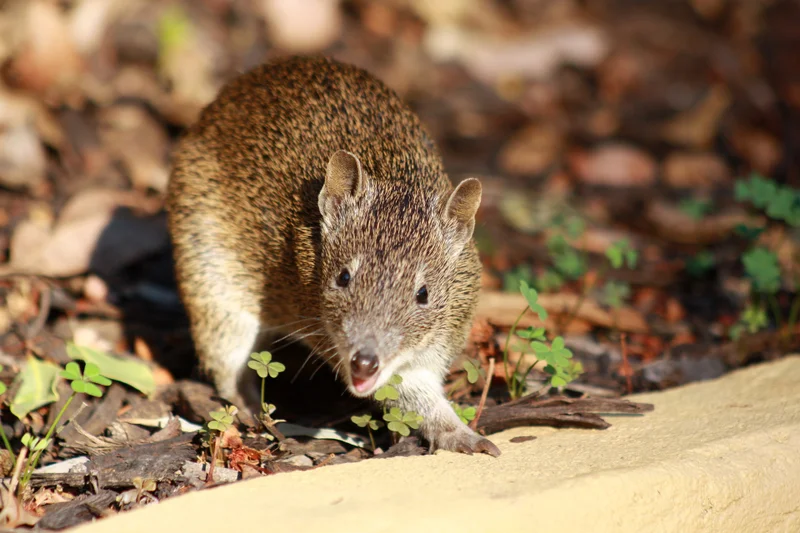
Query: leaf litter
{"points": [[588, 125]]}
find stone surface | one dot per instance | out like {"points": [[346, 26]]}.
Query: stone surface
{"points": [[718, 456]]}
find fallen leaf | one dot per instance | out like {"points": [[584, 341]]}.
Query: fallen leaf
{"points": [[129, 371], [688, 170], [302, 26], [48, 62], [761, 150], [131, 135], [22, 157], [69, 247], [532, 150], [502, 309], [671, 223], [697, 127], [534, 56], [615, 165], [37, 386]]}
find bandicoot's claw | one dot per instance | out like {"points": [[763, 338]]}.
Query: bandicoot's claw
{"points": [[486, 446], [464, 440]]}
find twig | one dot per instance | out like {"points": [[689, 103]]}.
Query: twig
{"points": [[44, 310], [214, 449], [484, 394], [23, 455]]}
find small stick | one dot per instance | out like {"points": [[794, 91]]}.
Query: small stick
{"points": [[215, 449], [484, 394], [23, 455]]}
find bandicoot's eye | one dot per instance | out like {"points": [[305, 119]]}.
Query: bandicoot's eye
{"points": [[422, 296], [343, 278]]}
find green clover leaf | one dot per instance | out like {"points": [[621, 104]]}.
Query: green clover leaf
{"points": [[91, 372], [412, 419], [387, 392], [395, 423], [361, 421], [532, 333], [532, 297], [473, 371], [615, 293], [621, 253], [761, 265], [72, 371]]}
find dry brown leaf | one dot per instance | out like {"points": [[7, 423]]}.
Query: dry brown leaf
{"points": [[302, 26], [133, 136], [535, 56], [188, 64], [697, 127], [532, 150], [89, 20], [695, 170], [67, 248], [502, 308], [22, 157], [671, 223], [48, 62], [761, 150], [615, 165]]}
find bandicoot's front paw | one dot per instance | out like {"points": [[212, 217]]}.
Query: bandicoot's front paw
{"points": [[464, 440]]}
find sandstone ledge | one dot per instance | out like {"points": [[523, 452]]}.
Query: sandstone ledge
{"points": [[721, 456]]}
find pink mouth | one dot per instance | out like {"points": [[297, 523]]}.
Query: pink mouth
{"points": [[363, 385]]}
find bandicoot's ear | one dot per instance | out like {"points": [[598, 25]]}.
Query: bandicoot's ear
{"points": [[460, 210], [343, 178]]}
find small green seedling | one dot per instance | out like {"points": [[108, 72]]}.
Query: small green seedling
{"points": [[701, 263], [366, 421], [221, 421], [465, 413], [781, 204], [549, 280], [557, 358], [753, 319], [265, 367], [397, 421], [621, 253], [555, 355], [34, 443], [474, 371], [615, 293], [696, 208], [761, 265], [400, 422], [85, 382], [388, 392]]}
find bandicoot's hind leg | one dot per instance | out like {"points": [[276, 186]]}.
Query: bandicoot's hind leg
{"points": [[219, 289]]}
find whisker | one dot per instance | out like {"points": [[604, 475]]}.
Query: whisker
{"points": [[310, 355], [324, 361], [280, 326], [295, 332]]}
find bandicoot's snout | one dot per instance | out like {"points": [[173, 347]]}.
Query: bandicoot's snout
{"points": [[364, 370]]}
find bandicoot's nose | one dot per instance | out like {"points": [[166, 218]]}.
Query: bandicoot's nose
{"points": [[363, 365]]}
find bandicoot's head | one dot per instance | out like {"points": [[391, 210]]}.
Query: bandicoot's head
{"points": [[394, 278]]}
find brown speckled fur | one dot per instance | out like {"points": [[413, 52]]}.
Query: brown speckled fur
{"points": [[253, 256]]}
